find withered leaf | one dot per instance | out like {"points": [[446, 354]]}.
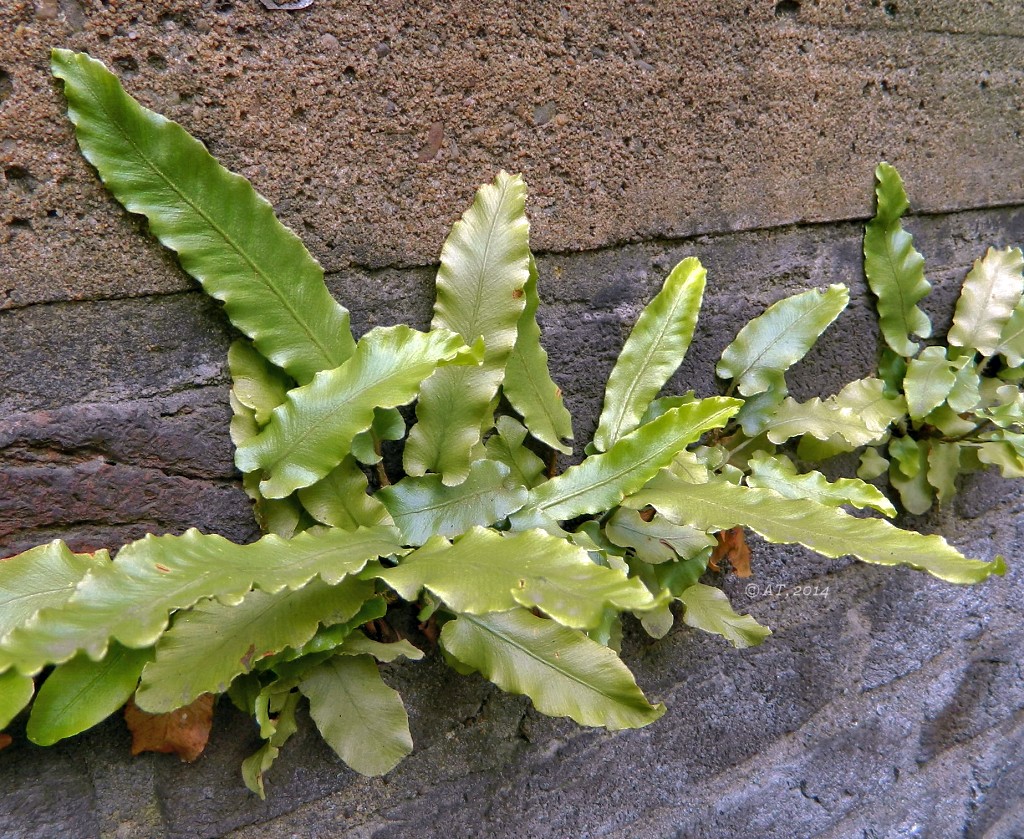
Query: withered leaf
{"points": [[183, 732], [5, 740], [732, 547]]}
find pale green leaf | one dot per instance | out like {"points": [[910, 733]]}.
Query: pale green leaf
{"points": [[601, 481], [256, 766], [1003, 455], [82, 693], [868, 400], [652, 352], [824, 420], [341, 499], [719, 505], [894, 270], [657, 407], [16, 692], [965, 394], [779, 473], [487, 571], [359, 716], [658, 540], [225, 234], [130, 599], [212, 643], [507, 447], [528, 385], [1011, 340], [255, 382], [908, 475], [564, 672], [872, 465], [771, 343], [484, 266], [991, 292], [929, 380], [40, 577], [658, 621], [312, 431], [283, 727], [281, 516], [709, 609], [423, 506], [943, 467], [358, 644]]}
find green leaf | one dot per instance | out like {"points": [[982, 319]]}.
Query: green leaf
{"points": [[892, 367], [312, 432], [292, 662], [212, 643], [486, 571], [484, 266], [894, 270], [709, 609], [359, 716], [388, 424], [773, 342], [603, 480], [990, 294], [658, 540], [778, 473], [507, 447], [424, 506], [81, 693], [824, 420], [564, 672], [719, 505], [760, 409], [652, 353], [1011, 340], [130, 599], [341, 500], [225, 234], [256, 766], [16, 692], [528, 385], [929, 380], [41, 577], [943, 467]]}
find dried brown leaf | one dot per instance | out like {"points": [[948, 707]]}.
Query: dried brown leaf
{"points": [[732, 547], [183, 732]]}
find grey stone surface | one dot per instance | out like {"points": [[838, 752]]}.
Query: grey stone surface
{"points": [[886, 704]]}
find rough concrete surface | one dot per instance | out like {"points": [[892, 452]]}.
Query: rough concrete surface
{"points": [[886, 704]]}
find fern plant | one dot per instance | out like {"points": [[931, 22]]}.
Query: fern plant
{"points": [[951, 406], [520, 573]]}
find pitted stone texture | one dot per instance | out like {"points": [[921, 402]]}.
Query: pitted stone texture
{"points": [[368, 125]]}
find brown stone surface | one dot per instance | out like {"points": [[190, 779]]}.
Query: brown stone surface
{"points": [[368, 125]]}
